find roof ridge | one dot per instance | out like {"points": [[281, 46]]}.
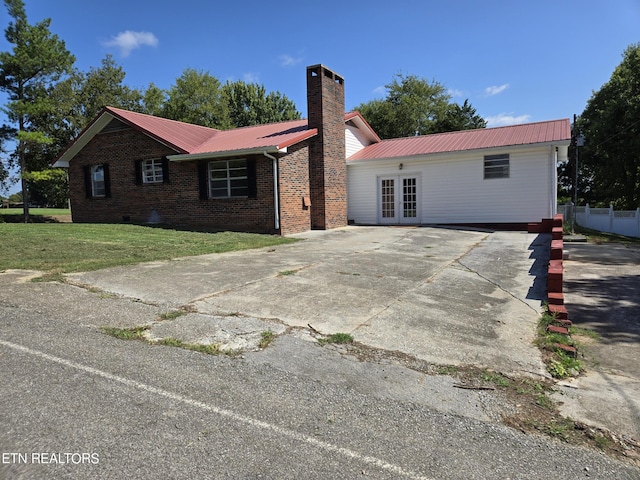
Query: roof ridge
{"points": [[264, 124]]}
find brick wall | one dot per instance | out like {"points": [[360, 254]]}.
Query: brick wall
{"points": [[327, 155], [293, 172], [176, 202]]}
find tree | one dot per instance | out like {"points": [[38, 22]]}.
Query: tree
{"points": [[6, 133], [413, 106], [49, 187], [104, 86], [38, 60], [78, 99], [609, 162], [153, 100], [457, 117], [197, 98], [249, 104]]}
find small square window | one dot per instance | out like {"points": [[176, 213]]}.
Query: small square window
{"points": [[496, 166], [152, 171]]}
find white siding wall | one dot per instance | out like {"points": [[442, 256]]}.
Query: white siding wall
{"points": [[453, 189], [355, 140]]}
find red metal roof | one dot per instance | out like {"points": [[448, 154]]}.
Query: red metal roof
{"points": [[183, 137], [526, 134], [194, 139]]}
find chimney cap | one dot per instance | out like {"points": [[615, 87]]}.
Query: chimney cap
{"points": [[318, 68]]}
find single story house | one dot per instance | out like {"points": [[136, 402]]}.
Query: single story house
{"points": [[322, 172]]}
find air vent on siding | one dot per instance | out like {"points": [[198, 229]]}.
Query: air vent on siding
{"points": [[115, 125]]}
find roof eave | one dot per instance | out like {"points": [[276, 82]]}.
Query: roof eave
{"points": [[279, 148], [95, 127], [188, 157], [363, 125], [90, 131], [305, 135]]}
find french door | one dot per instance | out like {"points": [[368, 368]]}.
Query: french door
{"points": [[398, 199]]}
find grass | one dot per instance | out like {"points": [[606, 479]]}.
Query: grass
{"points": [[137, 333], [337, 338], [602, 237], [58, 248], [559, 363], [286, 273], [495, 378], [172, 315], [210, 349], [266, 338], [38, 212], [134, 333]]}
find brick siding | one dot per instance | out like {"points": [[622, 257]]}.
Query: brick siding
{"points": [[175, 203]]}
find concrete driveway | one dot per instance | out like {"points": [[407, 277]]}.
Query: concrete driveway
{"points": [[443, 295], [602, 293]]}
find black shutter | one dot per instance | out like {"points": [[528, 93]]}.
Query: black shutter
{"points": [[165, 170], [87, 181], [138, 171], [251, 178], [203, 181], [107, 180]]}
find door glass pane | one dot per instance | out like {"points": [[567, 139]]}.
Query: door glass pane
{"points": [[388, 198], [409, 198]]}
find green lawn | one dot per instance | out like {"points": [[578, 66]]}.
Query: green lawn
{"points": [[69, 247], [45, 212]]}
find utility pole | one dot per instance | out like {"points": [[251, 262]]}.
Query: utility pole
{"points": [[579, 143]]}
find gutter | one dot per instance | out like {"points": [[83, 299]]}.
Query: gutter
{"points": [[276, 203], [188, 157]]}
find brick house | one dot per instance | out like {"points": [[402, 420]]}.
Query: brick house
{"points": [[279, 178], [318, 173]]}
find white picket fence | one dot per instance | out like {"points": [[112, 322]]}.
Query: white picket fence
{"points": [[622, 222]]}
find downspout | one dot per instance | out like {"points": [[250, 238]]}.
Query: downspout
{"points": [[276, 203]]}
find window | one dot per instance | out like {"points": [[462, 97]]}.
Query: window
{"points": [[98, 186], [97, 182], [228, 178], [152, 171], [496, 166]]}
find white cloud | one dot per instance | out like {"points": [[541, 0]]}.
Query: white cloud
{"points": [[251, 77], [129, 40], [381, 90], [288, 60], [503, 119], [454, 93], [495, 89]]}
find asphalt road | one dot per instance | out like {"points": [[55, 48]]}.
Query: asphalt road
{"points": [[110, 408]]}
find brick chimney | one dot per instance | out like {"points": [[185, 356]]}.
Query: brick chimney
{"points": [[327, 156]]}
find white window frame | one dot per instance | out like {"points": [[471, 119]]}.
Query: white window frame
{"points": [[152, 171], [224, 177], [98, 184], [497, 166]]}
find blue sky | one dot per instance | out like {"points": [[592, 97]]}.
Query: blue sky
{"points": [[515, 61]]}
